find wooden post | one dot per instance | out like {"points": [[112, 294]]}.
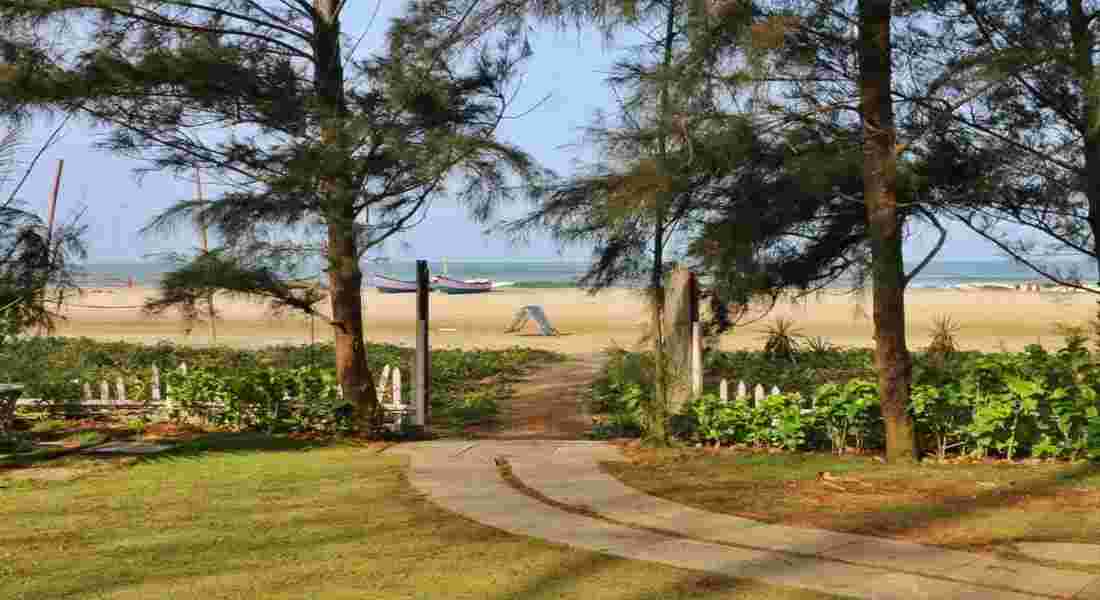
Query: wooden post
{"points": [[423, 354], [696, 337]]}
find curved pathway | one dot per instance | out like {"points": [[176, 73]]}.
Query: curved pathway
{"points": [[555, 490]]}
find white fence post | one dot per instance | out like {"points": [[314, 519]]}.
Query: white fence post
{"points": [[758, 395], [397, 387], [120, 387], [104, 392], [383, 382], [775, 391], [742, 391], [724, 390], [155, 392], [88, 392]]}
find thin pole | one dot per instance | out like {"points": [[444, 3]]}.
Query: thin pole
{"points": [[51, 215], [201, 223], [53, 202]]}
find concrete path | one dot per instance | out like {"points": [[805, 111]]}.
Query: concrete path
{"points": [[569, 500]]}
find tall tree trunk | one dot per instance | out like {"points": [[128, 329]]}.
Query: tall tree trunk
{"points": [[892, 359], [345, 277], [658, 426], [1083, 69]]}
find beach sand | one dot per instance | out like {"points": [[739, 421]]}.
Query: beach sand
{"points": [[989, 319]]}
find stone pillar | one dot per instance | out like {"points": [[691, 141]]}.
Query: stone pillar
{"points": [[680, 308]]}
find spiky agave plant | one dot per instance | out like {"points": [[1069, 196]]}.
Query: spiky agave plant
{"points": [[781, 340], [943, 343]]}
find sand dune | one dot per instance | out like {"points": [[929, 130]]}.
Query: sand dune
{"points": [[989, 319]]}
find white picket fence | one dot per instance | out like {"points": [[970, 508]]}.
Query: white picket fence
{"points": [[392, 401], [758, 393], [113, 395]]}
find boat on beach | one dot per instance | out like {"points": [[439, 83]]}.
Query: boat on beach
{"points": [[458, 286], [389, 285]]}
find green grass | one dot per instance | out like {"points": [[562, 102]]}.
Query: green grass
{"points": [[245, 516], [969, 506]]}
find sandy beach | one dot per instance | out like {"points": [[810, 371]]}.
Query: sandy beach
{"points": [[989, 319]]}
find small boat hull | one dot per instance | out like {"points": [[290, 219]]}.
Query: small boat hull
{"points": [[456, 286], [388, 285]]}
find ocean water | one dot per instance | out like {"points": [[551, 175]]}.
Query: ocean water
{"points": [[563, 273]]}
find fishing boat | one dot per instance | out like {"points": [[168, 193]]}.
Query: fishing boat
{"points": [[389, 285], [458, 286]]}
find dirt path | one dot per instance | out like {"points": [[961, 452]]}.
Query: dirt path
{"points": [[549, 403]]}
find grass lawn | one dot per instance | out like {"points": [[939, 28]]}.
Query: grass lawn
{"points": [[982, 507], [246, 516]]}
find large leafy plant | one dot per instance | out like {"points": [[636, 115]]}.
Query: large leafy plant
{"points": [[848, 412]]}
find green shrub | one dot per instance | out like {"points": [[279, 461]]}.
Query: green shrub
{"points": [[941, 413], [721, 422], [14, 442], [1035, 403], [260, 398], [848, 411], [780, 421], [621, 392]]}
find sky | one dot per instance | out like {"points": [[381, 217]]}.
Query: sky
{"points": [[567, 69]]}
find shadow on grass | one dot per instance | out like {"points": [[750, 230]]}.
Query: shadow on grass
{"points": [[237, 443], [895, 518]]}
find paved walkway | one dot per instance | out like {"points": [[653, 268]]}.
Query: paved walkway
{"points": [[569, 500]]}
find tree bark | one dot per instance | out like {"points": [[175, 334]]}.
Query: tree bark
{"points": [[1089, 126], [345, 277], [658, 427], [892, 360]]}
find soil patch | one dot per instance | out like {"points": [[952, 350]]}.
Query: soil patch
{"points": [[549, 402]]}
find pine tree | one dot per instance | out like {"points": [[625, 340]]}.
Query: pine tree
{"points": [[269, 99], [653, 166]]}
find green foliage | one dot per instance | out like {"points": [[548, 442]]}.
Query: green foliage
{"points": [[781, 340], [250, 389], [261, 398], [14, 442], [803, 376], [1036, 403], [780, 421], [943, 412], [621, 392], [848, 411], [943, 344], [719, 422]]}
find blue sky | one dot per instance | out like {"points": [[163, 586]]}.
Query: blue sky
{"points": [[568, 66]]}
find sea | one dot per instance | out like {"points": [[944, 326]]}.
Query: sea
{"points": [[550, 273]]}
